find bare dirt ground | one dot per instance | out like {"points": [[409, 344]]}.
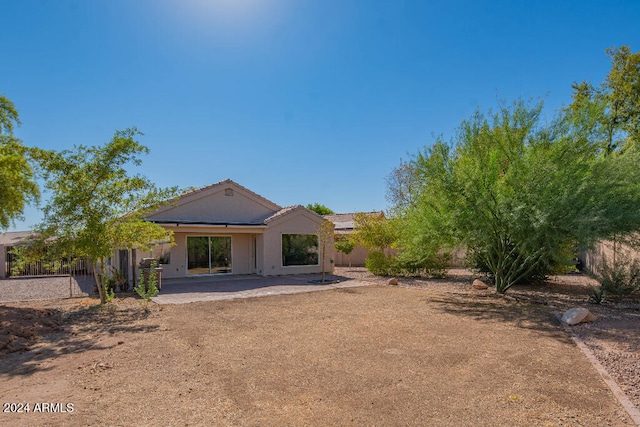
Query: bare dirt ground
{"points": [[428, 352]]}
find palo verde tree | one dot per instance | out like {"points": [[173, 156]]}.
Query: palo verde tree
{"points": [[96, 206], [518, 194], [16, 175], [610, 113]]}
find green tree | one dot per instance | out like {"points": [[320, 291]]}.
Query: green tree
{"points": [[518, 194], [96, 206], [345, 244], [16, 175], [319, 209], [325, 243], [373, 231], [610, 113]]}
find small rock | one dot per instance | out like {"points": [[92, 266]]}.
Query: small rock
{"points": [[393, 282], [578, 315], [480, 285]]}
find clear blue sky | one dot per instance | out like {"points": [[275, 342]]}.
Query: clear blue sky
{"points": [[301, 101]]}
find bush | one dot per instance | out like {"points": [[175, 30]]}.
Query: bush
{"points": [[108, 287], [147, 287], [378, 263], [617, 281], [432, 266]]}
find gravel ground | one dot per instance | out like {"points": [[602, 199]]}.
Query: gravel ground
{"points": [[44, 288]]}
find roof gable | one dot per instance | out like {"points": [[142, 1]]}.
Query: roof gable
{"points": [[285, 213], [225, 201]]}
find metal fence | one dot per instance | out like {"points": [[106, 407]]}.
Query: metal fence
{"points": [[63, 267]]}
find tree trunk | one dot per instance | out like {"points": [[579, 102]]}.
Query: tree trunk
{"points": [[96, 277]]}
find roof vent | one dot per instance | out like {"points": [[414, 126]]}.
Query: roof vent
{"points": [[228, 192]]}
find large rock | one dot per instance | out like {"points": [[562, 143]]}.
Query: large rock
{"points": [[480, 285], [578, 315]]}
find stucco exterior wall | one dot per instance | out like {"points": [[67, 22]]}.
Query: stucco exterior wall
{"points": [[217, 204], [299, 222], [592, 260], [356, 258], [242, 259]]}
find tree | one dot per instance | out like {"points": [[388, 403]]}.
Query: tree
{"points": [[373, 231], [325, 242], [16, 175], [96, 207], [610, 112], [345, 245], [519, 195], [319, 209]]}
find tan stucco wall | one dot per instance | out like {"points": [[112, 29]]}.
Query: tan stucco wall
{"points": [[215, 204], [299, 222], [241, 254], [355, 259], [605, 250]]}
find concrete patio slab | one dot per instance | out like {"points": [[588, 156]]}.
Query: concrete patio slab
{"points": [[212, 288]]}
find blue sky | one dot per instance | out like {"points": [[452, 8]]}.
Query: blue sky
{"points": [[301, 101]]}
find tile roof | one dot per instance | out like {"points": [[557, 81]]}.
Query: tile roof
{"points": [[193, 191], [344, 221]]}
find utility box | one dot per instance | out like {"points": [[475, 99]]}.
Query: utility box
{"points": [[146, 267]]}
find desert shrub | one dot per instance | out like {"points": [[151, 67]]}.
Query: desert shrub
{"points": [[432, 265], [384, 265], [147, 287], [618, 280], [378, 263], [109, 287]]}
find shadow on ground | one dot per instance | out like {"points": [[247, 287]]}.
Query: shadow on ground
{"points": [[493, 308], [29, 336]]}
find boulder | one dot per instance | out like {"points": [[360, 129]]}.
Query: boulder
{"points": [[480, 285], [393, 282], [577, 315]]}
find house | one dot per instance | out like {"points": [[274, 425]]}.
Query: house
{"points": [[8, 240], [226, 228]]}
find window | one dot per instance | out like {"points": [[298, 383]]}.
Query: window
{"points": [[299, 249], [208, 254]]}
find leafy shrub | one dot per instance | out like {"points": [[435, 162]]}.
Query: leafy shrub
{"points": [[378, 263], [617, 281], [147, 287], [109, 287], [432, 266]]}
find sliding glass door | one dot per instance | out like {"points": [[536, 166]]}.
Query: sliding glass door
{"points": [[208, 255]]}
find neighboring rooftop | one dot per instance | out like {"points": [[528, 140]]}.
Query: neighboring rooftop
{"points": [[11, 238], [344, 222]]}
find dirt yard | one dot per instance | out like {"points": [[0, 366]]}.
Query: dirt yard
{"points": [[427, 352]]}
